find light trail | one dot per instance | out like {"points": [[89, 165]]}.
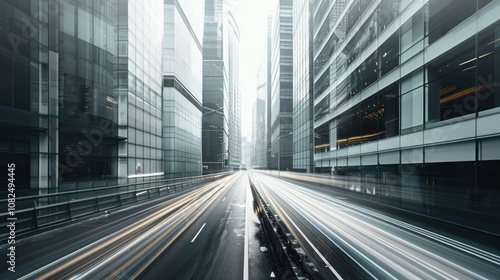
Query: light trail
{"points": [[117, 253], [382, 246]]}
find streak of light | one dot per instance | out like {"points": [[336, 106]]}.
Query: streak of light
{"points": [[392, 248], [113, 253]]}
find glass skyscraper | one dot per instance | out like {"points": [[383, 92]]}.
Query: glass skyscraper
{"points": [[259, 122], [182, 89], [302, 87], [58, 107], [215, 120], [220, 121], [139, 88], [81, 92], [233, 49], [281, 86]]}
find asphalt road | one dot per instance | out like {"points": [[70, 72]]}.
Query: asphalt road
{"points": [[347, 240], [213, 247], [206, 233]]}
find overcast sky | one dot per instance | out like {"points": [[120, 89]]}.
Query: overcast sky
{"points": [[251, 16]]}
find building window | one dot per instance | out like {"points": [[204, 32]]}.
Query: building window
{"points": [[322, 139], [412, 102], [375, 118], [387, 11], [322, 83], [389, 54], [412, 35], [488, 68], [322, 108], [452, 83], [441, 21]]}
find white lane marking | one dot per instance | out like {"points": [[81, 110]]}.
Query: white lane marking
{"points": [[245, 258], [198, 232], [224, 199]]}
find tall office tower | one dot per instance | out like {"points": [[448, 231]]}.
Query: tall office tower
{"points": [[246, 153], [259, 122], [407, 92], [303, 138], [268, 90], [233, 51], [138, 85], [182, 88], [215, 120], [259, 132], [58, 110], [281, 86]]}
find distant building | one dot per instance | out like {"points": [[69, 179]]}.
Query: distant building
{"points": [[281, 86], [260, 116], [268, 73], [215, 91], [259, 134], [246, 153], [303, 136], [233, 51], [221, 135]]}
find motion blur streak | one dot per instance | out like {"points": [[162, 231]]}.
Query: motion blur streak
{"points": [[131, 248], [374, 245]]}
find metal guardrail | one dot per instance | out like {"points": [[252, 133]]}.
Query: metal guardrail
{"points": [[283, 247], [37, 211]]}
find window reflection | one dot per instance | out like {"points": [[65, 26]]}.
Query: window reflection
{"points": [[488, 68], [452, 83], [373, 119], [412, 102]]}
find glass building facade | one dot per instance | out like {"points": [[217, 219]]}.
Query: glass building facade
{"points": [[281, 86], [233, 50], [259, 133], [405, 92], [268, 89], [182, 89], [58, 107], [215, 117], [303, 160], [259, 123], [139, 87]]}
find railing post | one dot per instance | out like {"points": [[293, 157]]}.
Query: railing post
{"points": [[96, 200], [97, 203], [69, 210], [35, 218]]}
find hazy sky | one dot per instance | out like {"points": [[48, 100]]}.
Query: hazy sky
{"points": [[251, 16]]}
